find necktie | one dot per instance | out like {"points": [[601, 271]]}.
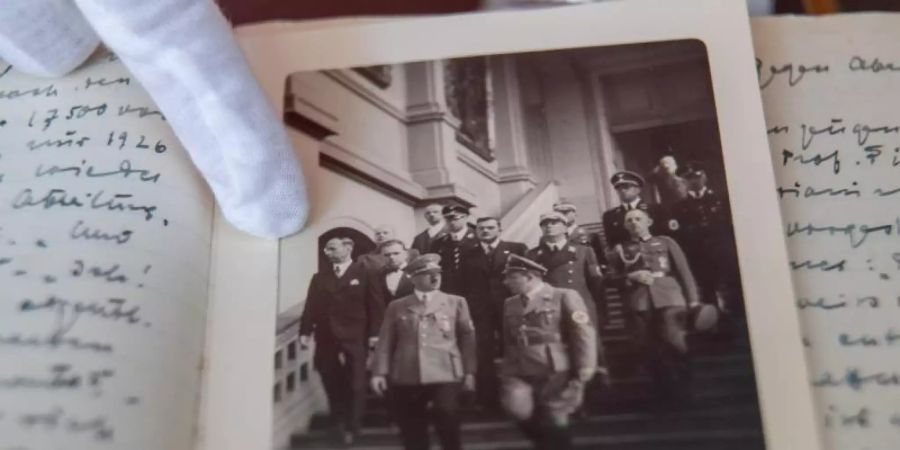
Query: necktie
{"points": [[337, 270]]}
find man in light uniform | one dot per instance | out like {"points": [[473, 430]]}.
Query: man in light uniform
{"points": [[549, 354], [425, 354]]}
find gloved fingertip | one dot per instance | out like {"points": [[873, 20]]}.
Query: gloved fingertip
{"points": [[46, 38]]}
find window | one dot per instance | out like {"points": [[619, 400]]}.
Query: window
{"points": [[304, 372], [468, 98], [278, 361], [276, 392], [290, 381], [292, 350]]}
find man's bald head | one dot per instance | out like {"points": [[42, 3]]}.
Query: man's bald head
{"points": [[638, 223], [384, 233]]}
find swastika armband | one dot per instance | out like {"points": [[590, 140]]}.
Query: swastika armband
{"points": [[580, 317]]}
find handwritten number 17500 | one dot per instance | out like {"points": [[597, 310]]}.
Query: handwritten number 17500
{"points": [[122, 140]]}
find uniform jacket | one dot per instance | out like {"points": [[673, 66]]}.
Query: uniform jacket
{"points": [[483, 274], [579, 236], [422, 242], [614, 223], [572, 267], [674, 283], [426, 343], [347, 308], [452, 260], [404, 287], [703, 223], [547, 333]]}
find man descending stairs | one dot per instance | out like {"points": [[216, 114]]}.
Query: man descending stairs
{"points": [[723, 411]]}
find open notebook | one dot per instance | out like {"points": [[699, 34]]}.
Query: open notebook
{"points": [[132, 316]]}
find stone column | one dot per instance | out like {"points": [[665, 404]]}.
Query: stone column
{"points": [[511, 147]]}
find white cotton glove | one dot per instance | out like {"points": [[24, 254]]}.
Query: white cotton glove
{"points": [[185, 56]]}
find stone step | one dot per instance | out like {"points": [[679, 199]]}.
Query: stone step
{"points": [[718, 379], [737, 438], [635, 399], [621, 426]]}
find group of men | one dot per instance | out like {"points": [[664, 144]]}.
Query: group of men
{"points": [[437, 317]]}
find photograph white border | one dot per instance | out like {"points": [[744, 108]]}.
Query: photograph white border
{"points": [[237, 391]]}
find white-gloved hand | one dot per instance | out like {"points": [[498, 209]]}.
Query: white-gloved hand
{"points": [[184, 54]]}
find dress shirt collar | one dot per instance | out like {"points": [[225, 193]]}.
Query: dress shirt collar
{"points": [[459, 235], [490, 246], [633, 204], [344, 265], [556, 246]]}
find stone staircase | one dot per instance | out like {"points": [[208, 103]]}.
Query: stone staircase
{"points": [[723, 412]]}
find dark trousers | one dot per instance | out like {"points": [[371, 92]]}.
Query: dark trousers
{"points": [[411, 410], [342, 366], [662, 337], [487, 384]]}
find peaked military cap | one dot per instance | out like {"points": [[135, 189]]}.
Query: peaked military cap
{"points": [[552, 216], [564, 207], [429, 262], [627, 177], [517, 263], [454, 209], [692, 169]]}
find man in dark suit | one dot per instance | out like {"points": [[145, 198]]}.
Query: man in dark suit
{"points": [[436, 228], [343, 311], [451, 247], [485, 292], [393, 281], [628, 186]]}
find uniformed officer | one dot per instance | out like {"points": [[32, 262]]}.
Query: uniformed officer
{"points": [[549, 354], [569, 265], [575, 232], [451, 246], [705, 234], [628, 186], [659, 288], [426, 354]]}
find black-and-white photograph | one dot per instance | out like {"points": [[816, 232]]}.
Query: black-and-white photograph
{"points": [[530, 250]]}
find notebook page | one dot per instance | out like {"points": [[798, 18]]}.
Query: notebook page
{"points": [[104, 259], [831, 90]]}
